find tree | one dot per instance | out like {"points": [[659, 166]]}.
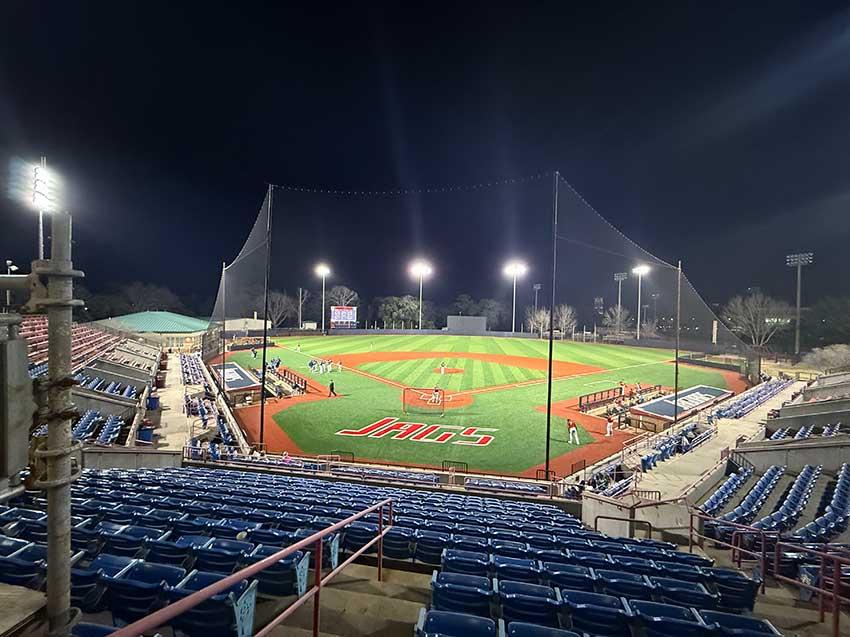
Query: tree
{"points": [[495, 312], [281, 307], [565, 319], [649, 328], [830, 357], [395, 309], [757, 317], [827, 322], [618, 318], [465, 305], [342, 295], [143, 297], [537, 320]]}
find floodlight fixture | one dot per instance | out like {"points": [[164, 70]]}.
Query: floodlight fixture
{"points": [[641, 269], [420, 269]]}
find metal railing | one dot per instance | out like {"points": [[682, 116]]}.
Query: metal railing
{"points": [[736, 543], [161, 617], [833, 593]]}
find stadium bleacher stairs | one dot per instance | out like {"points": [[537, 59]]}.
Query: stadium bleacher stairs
{"points": [[811, 510], [774, 501]]}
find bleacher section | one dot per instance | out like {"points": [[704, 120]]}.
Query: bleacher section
{"points": [[114, 387], [87, 343], [726, 491], [806, 431], [144, 537], [667, 446], [751, 399], [94, 427], [834, 511], [191, 368]]}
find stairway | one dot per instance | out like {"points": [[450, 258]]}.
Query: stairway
{"points": [[811, 510], [355, 604], [776, 496]]}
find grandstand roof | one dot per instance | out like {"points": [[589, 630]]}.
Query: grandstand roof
{"points": [[160, 322]]}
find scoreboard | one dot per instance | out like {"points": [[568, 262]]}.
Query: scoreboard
{"points": [[343, 316]]}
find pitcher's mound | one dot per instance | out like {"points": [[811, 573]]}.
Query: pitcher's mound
{"points": [[449, 370]]}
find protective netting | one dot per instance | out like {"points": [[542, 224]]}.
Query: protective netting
{"points": [[359, 246]]}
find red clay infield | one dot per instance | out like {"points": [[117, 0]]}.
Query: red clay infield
{"points": [[448, 370]]}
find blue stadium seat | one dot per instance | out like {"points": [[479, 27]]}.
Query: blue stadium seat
{"points": [[596, 613], [470, 543], [622, 584], [522, 629], [398, 543], [85, 629], [221, 555], [530, 603], [677, 570], [357, 534], [571, 576], [465, 562], [140, 590], [287, 577], [215, 617], [509, 548], [737, 625], [430, 546], [674, 591], [591, 559], [9, 545], [461, 593], [517, 569], [447, 624], [737, 591], [664, 620], [639, 565]]}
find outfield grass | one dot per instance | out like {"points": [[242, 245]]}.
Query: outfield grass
{"points": [[520, 437]]}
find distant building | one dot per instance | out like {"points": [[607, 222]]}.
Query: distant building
{"points": [[172, 331]]}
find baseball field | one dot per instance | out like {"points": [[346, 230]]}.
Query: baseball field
{"points": [[494, 398]]}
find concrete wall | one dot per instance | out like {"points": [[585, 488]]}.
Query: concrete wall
{"points": [[818, 419], [795, 454], [114, 376], [828, 391], [594, 505], [109, 367], [670, 520], [85, 399], [99, 458], [801, 409]]}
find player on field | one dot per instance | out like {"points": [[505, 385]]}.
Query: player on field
{"points": [[435, 396], [573, 432], [331, 390], [609, 427], [443, 368]]}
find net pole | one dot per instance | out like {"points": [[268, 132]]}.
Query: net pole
{"points": [[266, 314], [676, 362], [556, 178], [221, 384]]}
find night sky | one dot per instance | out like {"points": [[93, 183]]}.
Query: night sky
{"points": [[710, 132]]}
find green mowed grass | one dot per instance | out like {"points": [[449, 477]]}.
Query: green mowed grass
{"points": [[520, 436], [597, 355], [425, 372]]}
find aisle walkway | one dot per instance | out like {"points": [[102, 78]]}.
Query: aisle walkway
{"points": [[173, 431], [675, 476]]}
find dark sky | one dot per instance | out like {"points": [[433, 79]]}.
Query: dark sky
{"points": [[715, 133]]}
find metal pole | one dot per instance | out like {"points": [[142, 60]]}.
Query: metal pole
{"points": [[59, 444], [323, 304], [513, 315], [299, 308], [676, 362], [420, 301], [640, 278], [41, 220], [221, 383], [556, 179], [619, 297], [8, 292], [266, 313], [797, 330]]}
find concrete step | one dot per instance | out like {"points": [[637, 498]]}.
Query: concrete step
{"points": [[740, 494], [810, 512], [402, 585], [775, 496]]}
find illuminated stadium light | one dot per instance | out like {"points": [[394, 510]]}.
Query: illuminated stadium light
{"points": [[799, 260], [10, 267], [420, 269], [38, 188], [640, 270], [323, 270], [514, 269]]}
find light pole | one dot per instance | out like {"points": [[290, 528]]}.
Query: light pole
{"points": [[798, 261], [619, 277], [10, 267], [42, 198], [655, 306], [322, 270], [514, 269], [420, 269], [640, 270], [537, 288]]}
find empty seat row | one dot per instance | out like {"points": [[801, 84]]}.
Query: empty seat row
{"points": [[749, 506], [751, 399], [726, 491], [835, 517], [794, 502]]}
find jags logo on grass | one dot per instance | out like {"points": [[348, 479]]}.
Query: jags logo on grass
{"points": [[420, 432]]}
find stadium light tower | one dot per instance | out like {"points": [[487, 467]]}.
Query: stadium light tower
{"points": [[323, 271], [640, 270], [37, 188], [537, 288], [10, 267], [619, 277], [420, 269], [514, 269], [798, 261]]}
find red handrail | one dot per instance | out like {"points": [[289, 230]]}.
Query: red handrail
{"points": [[166, 614], [834, 593], [737, 550]]}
